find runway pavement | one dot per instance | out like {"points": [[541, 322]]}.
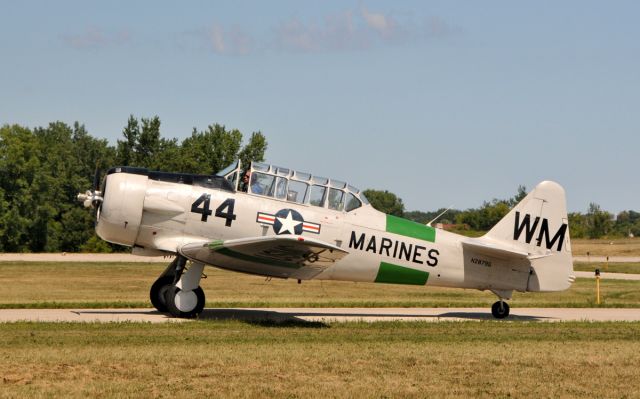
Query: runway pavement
{"points": [[322, 314]]}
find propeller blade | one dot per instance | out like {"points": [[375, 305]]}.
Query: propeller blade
{"points": [[96, 179]]}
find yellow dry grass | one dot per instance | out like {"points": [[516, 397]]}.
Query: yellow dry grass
{"points": [[93, 285], [614, 247], [233, 359]]}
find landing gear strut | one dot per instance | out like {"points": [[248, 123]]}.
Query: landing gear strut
{"points": [[178, 292]]}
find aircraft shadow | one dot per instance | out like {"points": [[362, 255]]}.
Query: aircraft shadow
{"points": [[118, 311], [298, 319], [268, 316]]}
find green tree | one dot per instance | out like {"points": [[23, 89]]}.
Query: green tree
{"points": [[485, 217], [520, 194], [206, 152], [577, 225], [148, 147], [19, 169], [126, 148], [490, 213], [385, 201], [254, 150], [599, 222], [43, 170], [447, 217], [627, 222]]}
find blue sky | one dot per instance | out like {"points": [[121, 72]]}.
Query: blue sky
{"points": [[441, 102]]}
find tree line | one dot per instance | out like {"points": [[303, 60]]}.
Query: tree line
{"points": [[595, 223], [42, 170]]}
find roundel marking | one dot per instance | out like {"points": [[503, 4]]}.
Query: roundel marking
{"points": [[288, 221]]}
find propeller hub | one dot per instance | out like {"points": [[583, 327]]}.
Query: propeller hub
{"points": [[91, 199]]}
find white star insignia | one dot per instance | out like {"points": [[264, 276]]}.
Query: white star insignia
{"points": [[288, 224]]}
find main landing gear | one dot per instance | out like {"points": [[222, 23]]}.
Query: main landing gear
{"points": [[177, 291], [500, 309]]}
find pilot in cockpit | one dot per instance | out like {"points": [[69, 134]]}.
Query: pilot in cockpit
{"points": [[256, 188], [244, 183]]}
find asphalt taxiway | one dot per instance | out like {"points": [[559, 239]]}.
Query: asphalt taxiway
{"points": [[322, 314]]}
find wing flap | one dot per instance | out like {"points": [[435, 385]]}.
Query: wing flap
{"points": [[285, 256]]}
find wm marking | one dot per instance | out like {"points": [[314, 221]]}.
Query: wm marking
{"points": [[530, 230]]}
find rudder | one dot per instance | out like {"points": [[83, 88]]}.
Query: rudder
{"points": [[539, 226]]}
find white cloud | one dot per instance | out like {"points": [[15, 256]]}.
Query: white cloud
{"points": [[94, 37], [381, 23], [231, 41], [341, 31], [217, 39], [294, 35], [347, 30], [437, 27]]}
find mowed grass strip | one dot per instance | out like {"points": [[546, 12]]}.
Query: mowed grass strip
{"points": [[123, 285], [313, 360], [630, 267], [603, 247]]}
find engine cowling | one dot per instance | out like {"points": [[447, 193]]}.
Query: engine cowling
{"points": [[119, 216]]}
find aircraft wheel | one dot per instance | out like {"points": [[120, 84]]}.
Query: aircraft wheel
{"points": [[186, 304], [157, 292], [500, 310]]}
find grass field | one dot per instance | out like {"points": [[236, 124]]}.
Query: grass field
{"points": [[387, 359], [119, 285], [631, 267], [613, 247]]}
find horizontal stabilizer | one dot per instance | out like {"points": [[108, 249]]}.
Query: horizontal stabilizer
{"points": [[494, 250], [284, 256]]}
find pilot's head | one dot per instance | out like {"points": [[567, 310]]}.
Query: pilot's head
{"points": [[245, 178]]}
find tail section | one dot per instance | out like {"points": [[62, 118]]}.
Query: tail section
{"points": [[539, 226]]}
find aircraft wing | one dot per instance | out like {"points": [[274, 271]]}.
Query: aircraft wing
{"points": [[285, 256], [495, 250]]}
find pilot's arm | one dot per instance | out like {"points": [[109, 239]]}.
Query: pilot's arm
{"points": [[256, 187]]}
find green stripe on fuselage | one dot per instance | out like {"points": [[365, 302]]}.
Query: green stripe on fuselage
{"points": [[409, 228], [394, 274]]}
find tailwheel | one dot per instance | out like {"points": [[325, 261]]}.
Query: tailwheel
{"points": [[500, 309], [186, 304]]}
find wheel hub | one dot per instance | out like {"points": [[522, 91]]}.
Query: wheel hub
{"points": [[186, 301]]}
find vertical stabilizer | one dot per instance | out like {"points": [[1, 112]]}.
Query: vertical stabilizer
{"points": [[539, 226]]}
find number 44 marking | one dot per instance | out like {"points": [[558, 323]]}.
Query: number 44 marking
{"points": [[225, 210]]}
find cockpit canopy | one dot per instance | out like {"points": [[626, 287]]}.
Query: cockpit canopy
{"points": [[293, 186]]}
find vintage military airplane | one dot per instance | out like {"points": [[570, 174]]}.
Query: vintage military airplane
{"points": [[287, 224]]}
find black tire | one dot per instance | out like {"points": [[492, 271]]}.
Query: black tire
{"points": [[170, 299], [500, 310], [157, 293]]}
